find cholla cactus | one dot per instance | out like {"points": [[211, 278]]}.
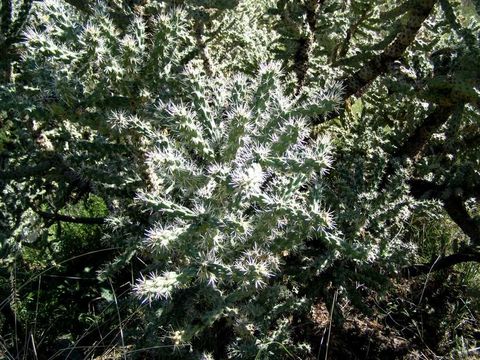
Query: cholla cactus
{"points": [[241, 186]]}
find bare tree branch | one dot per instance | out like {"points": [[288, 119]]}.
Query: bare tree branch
{"points": [[82, 5], [305, 42], [28, 171], [345, 45], [458, 213], [416, 142], [442, 263], [202, 47], [419, 11], [6, 16], [55, 168], [452, 203]]}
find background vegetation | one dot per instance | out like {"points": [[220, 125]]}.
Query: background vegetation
{"points": [[237, 179]]}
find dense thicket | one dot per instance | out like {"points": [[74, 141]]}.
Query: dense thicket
{"points": [[191, 179]]}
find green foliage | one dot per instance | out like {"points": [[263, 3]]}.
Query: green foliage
{"points": [[159, 164]]}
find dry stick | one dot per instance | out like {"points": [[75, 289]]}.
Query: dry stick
{"points": [[473, 350], [26, 345], [321, 343], [6, 349], [330, 325], [13, 279], [36, 315], [119, 318], [153, 348], [33, 346], [426, 281]]}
